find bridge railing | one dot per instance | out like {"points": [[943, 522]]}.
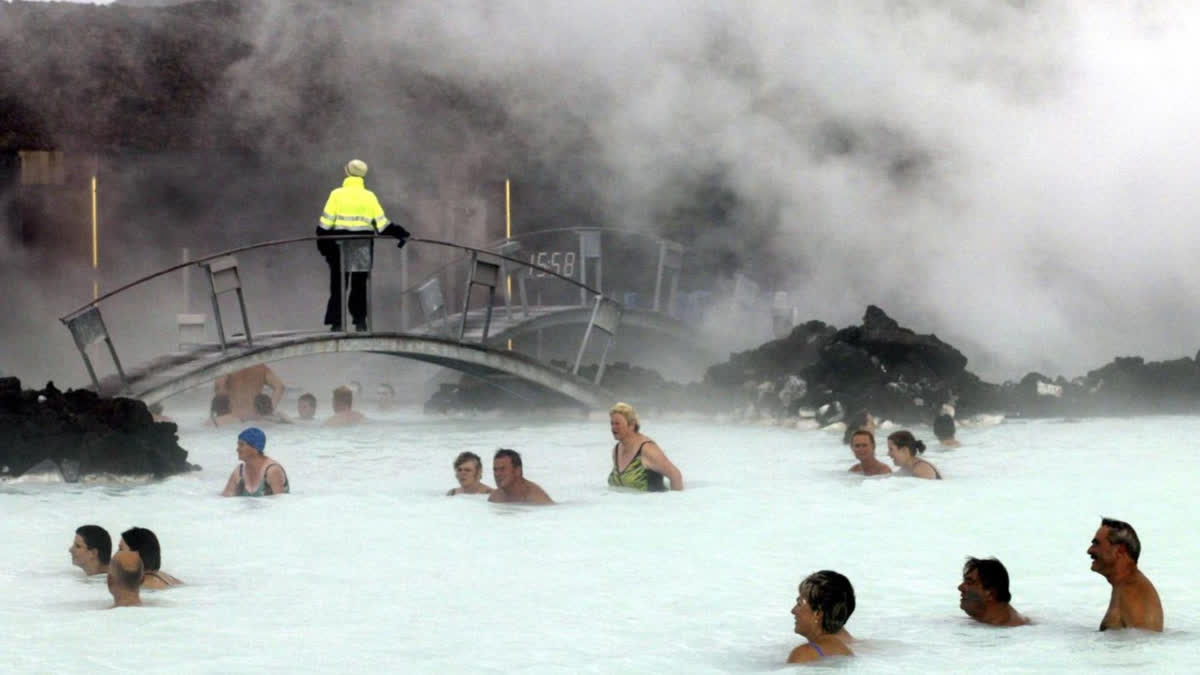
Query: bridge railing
{"points": [[582, 252], [485, 269]]}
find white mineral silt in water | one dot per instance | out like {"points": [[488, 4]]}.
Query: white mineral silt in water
{"points": [[367, 566]]}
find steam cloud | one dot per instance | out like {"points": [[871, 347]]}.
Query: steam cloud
{"points": [[1016, 177]]}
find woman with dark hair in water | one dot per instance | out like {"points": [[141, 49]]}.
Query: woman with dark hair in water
{"points": [[823, 605], [905, 450], [145, 544]]}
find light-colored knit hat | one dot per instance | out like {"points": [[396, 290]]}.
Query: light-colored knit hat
{"points": [[356, 167]]}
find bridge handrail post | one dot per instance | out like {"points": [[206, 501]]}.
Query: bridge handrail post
{"points": [[511, 249], [223, 276], [589, 247], [670, 258], [480, 273], [86, 328], [606, 317]]}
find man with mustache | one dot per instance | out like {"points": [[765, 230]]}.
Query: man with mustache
{"points": [[1134, 602]]}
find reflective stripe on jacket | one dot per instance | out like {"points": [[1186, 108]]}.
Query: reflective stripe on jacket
{"points": [[353, 208]]}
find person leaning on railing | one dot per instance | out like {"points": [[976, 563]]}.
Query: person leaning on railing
{"points": [[351, 209]]}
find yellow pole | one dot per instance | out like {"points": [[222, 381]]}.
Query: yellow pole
{"points": [[508, 235], [95, 246]]}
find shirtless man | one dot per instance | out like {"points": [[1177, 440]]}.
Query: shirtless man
{"points": [[1134, 602], [862, 442], [468, 469], [983, 593], [125, 579], [247, 383], [511, 485], [91, 549], [344, 414]]}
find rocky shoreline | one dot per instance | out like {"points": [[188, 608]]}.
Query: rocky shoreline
{"points": [[895, 373], [79, 434]]}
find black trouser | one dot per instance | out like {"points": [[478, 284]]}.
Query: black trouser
{"points": [[356, 280]]}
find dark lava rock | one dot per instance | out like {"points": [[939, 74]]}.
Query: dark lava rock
{"points": [[83, 433]]}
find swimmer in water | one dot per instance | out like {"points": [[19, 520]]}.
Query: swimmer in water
{"points": [[243, 385], [306, 407], [638, 462], [863, 445], [904, 449], [344, 414], [983, 593], [125, 573], [256, 475], [91, 549], [859, 421], [823, 605], [511, 485], [1134, 601], [943, 430], [221, 413], [143, 542], [468, 469]]}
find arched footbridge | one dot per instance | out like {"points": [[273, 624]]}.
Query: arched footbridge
{"points": [[475, 339]]}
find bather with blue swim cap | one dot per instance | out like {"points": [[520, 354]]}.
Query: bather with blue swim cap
{"points": [[255, 438]]}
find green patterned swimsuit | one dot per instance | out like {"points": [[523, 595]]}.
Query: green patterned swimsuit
{"points": [[636, 475]]}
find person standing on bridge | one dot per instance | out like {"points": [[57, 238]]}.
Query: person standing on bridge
{"points": [[351, 209]]}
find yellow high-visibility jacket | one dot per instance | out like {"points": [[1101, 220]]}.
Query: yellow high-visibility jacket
{"points": [[353, 208]]}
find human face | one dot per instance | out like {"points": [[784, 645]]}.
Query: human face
{"points": [[862, 446], [122, 546], [1104, 554], [384, 398], [504, 472], [307, 409], [619, 426], [81, 555], [245, 451], [900, 456], [972, 598], [469, 472], [808, 622]]}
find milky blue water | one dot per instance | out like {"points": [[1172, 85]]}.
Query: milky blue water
{"points": [[367, 567]]}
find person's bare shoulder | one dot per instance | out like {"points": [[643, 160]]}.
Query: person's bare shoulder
{"points": [[857, 468]]}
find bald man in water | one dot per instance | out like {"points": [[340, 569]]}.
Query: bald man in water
{"points": [[1134, 602], [125, 579]]}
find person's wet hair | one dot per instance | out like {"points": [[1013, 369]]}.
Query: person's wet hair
{"points": [[905, 439], [312, 400], [856, 422], [343, 397], [96, 537], [992, 576], [221, 405], [262, 404], [146, 544], [1122, 533], [464, 457], [625, 410], [943, 427], [830, 594], [511, 454]]}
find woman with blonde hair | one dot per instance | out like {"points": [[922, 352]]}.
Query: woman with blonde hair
{"points": [[638, 462]]}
